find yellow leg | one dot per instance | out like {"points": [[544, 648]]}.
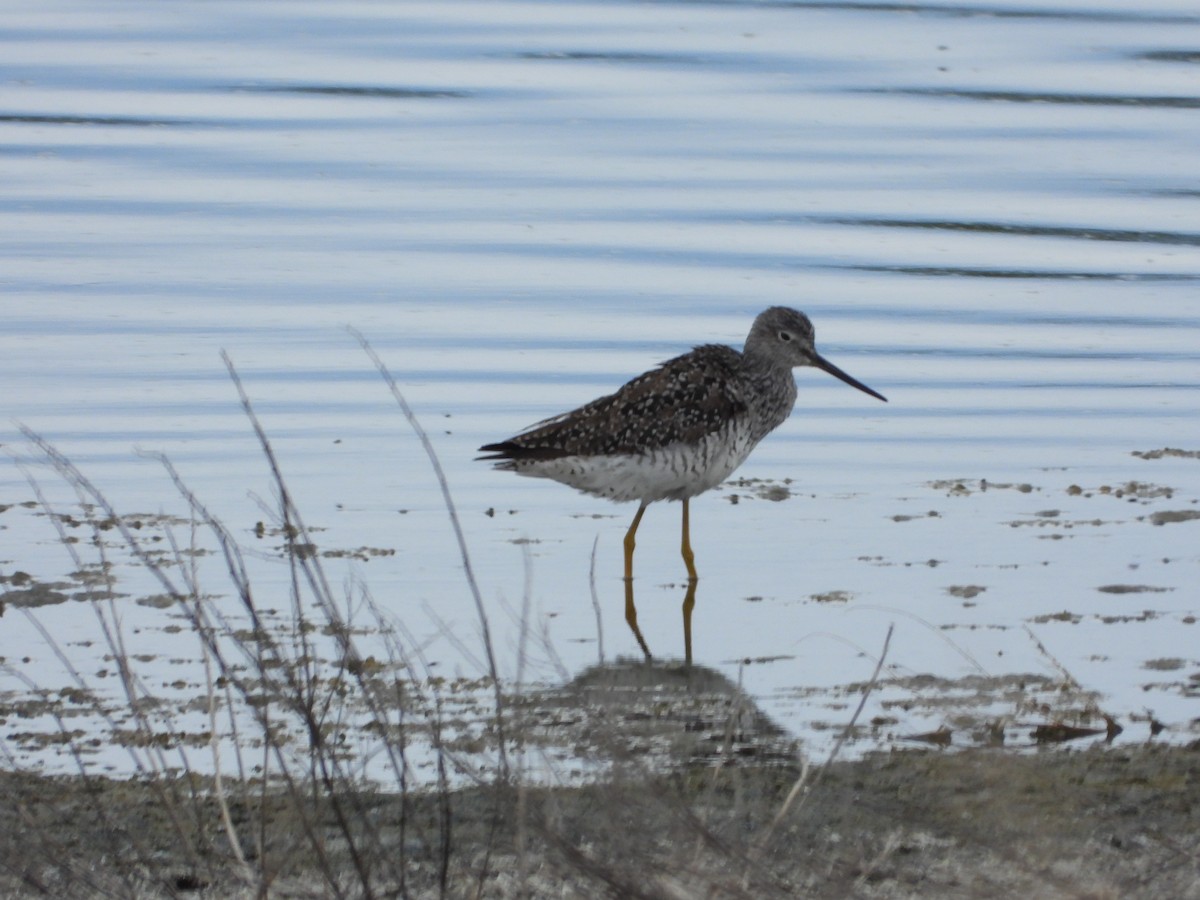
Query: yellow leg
{"points": [[631, 619], [630, 608], [689, 602], [631, 542], [689, 558]]}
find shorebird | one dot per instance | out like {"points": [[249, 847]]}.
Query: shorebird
{"points": [[677, 430]]}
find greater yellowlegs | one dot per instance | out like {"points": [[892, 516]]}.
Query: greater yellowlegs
{"points": [[677, 430]]}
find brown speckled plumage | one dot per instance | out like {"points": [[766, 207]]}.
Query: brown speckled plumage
{"points": [[679, 402], [679, 429]]}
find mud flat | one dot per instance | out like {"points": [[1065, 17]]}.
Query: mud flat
{"points": [[1094, 823]]}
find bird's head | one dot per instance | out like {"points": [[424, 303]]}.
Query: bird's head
{"points": [[782, 336]]}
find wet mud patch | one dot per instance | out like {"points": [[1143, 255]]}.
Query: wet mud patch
{"points": [[93, 517], [962, 487], [1059, 525], [776, 491], [1133, 589], [1017, 711], [1069, 618], [664, 715], [1131, 491], [832, 597], [1171, 517], [965, 591], [163, 541], [1164, 665], [932, 514], [1166, 452], [884, 562], [88, 583], [361, 554]]}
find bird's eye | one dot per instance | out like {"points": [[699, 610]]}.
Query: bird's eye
{"points": [[785, 336]]}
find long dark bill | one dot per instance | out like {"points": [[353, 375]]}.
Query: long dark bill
{"points": [[826, 366]]}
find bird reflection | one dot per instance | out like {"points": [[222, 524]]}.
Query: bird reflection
{"points": [[689, 603], [668, 714]]}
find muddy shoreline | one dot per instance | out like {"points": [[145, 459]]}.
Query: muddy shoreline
{"points": [[922, 823]]}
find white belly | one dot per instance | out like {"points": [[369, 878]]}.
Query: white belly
{"points": [[675, 472]]}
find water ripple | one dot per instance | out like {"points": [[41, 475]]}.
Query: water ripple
{"points": [[1087, 233], [1066, 98]]}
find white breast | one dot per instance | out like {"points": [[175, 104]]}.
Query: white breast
{"points": [[674, 472]]}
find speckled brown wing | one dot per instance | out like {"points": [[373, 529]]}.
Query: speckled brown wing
{"points": [[681, 401]]}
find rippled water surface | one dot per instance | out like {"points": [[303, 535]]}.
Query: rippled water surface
{"points": [[991, 213]]}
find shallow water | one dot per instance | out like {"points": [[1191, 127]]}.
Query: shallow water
{"points": [[991, 212]]}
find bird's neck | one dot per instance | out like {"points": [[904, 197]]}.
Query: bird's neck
{"points": [[773, 394]]}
